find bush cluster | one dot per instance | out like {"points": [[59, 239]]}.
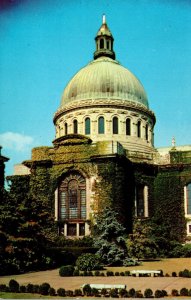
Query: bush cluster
{"points": [[46, 289]]}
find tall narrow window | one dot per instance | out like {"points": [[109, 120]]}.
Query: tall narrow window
{"points": [[66, 128], [139, 201], [139, 129], [87, 126], [188, 198], [115, 125], [101, 43], [75, 124], [101, 128], [146, 132], [108, 45], [128, 127]]}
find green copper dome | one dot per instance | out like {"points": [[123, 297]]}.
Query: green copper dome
{"points": [[104, 78]]}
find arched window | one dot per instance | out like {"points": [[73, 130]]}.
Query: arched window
{"points": [[115, 125], [87, 126], [75, 126], [72, 197], [139, 129], [128, 127], [66, 128], [101, 43], [146, 132], [188, 199], [101, 128]]}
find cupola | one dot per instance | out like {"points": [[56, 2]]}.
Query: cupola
{"points": [[104, 42]]}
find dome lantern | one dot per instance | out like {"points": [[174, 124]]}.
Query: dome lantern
{"points": [[104, 41]]}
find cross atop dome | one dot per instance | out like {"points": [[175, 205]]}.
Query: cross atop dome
{"points": [[104, 41]]}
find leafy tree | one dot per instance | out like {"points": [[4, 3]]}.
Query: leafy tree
{"points": [[141, 244], [109, 237], [22, 219]]}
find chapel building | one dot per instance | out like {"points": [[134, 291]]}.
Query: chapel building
{"points": [[103, 153]]}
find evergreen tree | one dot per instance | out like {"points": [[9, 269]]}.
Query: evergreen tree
{"points": [[109, 237], [141, 244]]}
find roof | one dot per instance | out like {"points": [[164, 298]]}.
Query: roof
{"points": [[104, 78]]}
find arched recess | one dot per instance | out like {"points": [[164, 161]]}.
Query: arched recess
{"points": [[139, 129], [115, 125], [101, 125], [72, 205], [87, 125], [128, 126], [75, 126]]}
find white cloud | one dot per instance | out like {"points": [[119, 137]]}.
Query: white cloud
{"points": [[18, 142]]}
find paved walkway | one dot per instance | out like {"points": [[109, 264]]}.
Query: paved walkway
{"points": [[72, 283]]}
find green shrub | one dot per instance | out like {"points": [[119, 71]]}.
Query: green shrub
{"points": [[174, 274], [85, 273], [164, 293], [76, 273], [132, 293], [77, 293], [3, 287], [113, 293], [88, 262], [174, 293], [180, 274], [66, 271], [95, 292], [127, 273], [44, 288], [97, 273], [61, 292], [148, 293], [122, 274], [103, 292], [13, 286], [116, 273], [89, 273], [36, 288], [102, 274], [123, 293], [186, 273], [184, 292], [158, 294], [52, 292], [29, 288], [87, 290], [22, 289], [189, 292], [109, 273], [138, 294], [69, 293]]}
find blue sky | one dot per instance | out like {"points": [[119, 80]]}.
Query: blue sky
{"points": [[43, 43]]}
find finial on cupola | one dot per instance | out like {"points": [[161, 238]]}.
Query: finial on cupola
{"points": [[104, 19]]}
